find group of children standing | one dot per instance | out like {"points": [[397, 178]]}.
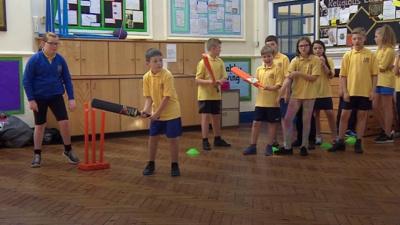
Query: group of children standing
{"points": [[367, 81]]}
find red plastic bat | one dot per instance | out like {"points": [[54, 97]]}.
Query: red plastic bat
{"points": [[246, 77]]}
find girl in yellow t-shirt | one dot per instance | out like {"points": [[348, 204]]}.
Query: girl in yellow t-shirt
{"points": [[303, 70], [397, 88], [324, 98], [382, 105]]}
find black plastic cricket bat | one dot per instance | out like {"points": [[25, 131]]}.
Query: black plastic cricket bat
{"points": [[117, 108]]}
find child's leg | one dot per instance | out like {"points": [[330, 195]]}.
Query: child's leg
{"points": [[361, 122], [377, 109], [255, 131], [332, 124], [152, 146], [317, 123], [216, 124], [387, 103], [344, 120], [174, 148], [293, 107], [271, 132], [204, 125], [308, 108]]}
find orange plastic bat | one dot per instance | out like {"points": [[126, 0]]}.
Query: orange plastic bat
{"points": [[246, 77], [209, 69]]}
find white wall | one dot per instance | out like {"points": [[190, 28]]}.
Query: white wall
{"points": [[18, 39]]}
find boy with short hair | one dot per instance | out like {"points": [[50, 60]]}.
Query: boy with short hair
{"points": [[163, 107], [282, 61], [267, 107], [46, 78], [209, 94], [358, 76]]}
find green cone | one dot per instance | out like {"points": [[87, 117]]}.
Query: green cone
{"points": [[326, 145], [275, 149], [192, 152], [351, 140]]}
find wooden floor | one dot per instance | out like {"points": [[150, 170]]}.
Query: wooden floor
{"points": [[218, 187]]}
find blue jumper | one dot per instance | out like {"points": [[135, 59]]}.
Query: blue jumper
{"points": [[44, 80]]}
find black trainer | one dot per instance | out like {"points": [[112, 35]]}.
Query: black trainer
{"points": [[284, 151], [37, 158], [383, 138], [303, 151], [149, 169], [175, 172], [221, 143], [206, 146], [338, 146], [70, 155], [358, 147]]}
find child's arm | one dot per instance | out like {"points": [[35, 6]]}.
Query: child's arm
{"points": [[272, 88], [386, 62], [343, 81], [147, 106], [162, 106], [396, 65], [374, 81], [307, 77]]}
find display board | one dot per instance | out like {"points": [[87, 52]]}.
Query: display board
{"points": [[206, 18], [11, 85], [337, 18], [106, 15], [235, 83]]}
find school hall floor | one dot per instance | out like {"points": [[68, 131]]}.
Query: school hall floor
{"points": [[218, 187]]}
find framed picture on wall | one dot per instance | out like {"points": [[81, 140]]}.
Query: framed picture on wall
{"points": [[3, 17]]}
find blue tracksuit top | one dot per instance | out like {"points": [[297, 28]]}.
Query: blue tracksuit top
{"points": [[44, 80]]}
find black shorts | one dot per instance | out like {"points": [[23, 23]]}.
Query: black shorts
{"points": [[57, 106], [323, 104], [210, 106], [358, 102], [267, 114]]}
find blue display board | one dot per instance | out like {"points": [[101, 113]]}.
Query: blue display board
{"points": [[206, 18], [234, 81], [11, 94]]}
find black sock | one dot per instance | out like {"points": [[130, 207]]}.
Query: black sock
{"points": [[37, 151], [205, 140], [174, 164], [151, 163], [67, 148], [217, 138]]}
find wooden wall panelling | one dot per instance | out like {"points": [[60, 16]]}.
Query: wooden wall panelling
{"points": [[192, 55], [121, 58], [71, 51], [131, 92], [174, 67], [94, 58]]}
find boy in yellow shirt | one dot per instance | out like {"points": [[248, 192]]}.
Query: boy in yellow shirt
{"points": [[209, 95], [270, 76], [358, 76], [282, 61], [163, 107]]}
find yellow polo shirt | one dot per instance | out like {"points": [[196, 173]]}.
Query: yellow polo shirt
{"points": [[385, 57], [323, 86], [209, 92], [160, 85], [301, 88], [271, 76], [282, 61], [359, 67]]}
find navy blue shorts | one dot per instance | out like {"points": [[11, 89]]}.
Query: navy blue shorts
{"points": [[283, 107], [210, 106], [56, 105], [171, 128], [358, 102], [323, 104], [267, 114], [384, 90]]}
